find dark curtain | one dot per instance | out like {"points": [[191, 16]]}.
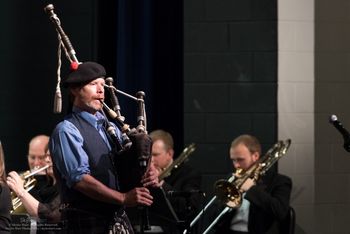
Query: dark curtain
{"points": [[28, 61], [141, 43], [138, 41]]}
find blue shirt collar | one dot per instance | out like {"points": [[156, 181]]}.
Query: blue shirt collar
{"points": [[96, 120]]}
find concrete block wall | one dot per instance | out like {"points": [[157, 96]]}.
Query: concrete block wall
{"points": [[296, 104], [230, 74], [313, 84], [230, 71], [332, 83]]}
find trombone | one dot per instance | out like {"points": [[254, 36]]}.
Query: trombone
{"points": [[178, 161], [228, 191], [29, 184]]}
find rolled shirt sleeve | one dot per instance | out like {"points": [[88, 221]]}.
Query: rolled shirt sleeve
{"points": [[66, 147]]}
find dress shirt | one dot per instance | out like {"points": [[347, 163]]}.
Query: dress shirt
{"points": [[240, 221], [67, 144]]}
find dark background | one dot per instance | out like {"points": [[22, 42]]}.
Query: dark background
{"points": [[209, 71], [139, 43], [230, 79]]}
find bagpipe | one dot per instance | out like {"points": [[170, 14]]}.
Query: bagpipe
{"points": [[131, 153], [131, 147]]}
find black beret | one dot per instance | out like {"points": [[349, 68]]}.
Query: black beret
{"points": [[84, 73]]}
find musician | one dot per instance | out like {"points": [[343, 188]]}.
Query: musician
{"points": [[36, 152], [43, 191], [5, 198], [264, 201], [182, 179], [81, 151], [48, 211]]}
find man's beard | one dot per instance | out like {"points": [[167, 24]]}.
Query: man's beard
{"points": [[93, 107]]}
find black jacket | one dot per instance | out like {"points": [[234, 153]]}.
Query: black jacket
{"points": [[269, 203]]}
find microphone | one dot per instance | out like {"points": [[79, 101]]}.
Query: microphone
{"points": [[339, 126], [175, 193]]}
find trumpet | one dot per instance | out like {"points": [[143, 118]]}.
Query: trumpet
{"points": [[28, 184], [228, 192], [176, 163]]}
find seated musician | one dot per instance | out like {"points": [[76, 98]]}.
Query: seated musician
{"points": [[41, 201], [43, 191], [264, 201], [183, 179], [48, 211]]}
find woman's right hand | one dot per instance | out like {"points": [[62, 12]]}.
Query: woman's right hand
{"points": [[15, 182]]}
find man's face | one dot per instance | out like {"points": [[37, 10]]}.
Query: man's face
{"points": [[37, 155], [161, 157], [88, 97], [241, 156]]}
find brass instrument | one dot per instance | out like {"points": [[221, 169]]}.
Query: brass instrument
{"points": [[228, 192], [176, 163], [28, 184]]}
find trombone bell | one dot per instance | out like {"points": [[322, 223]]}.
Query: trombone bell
{"points": [[227, 193]]}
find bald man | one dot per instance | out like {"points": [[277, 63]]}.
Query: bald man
{"points": [[44, 190], [37, 152]]}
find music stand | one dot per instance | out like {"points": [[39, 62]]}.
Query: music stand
{"points": [[161, 213]]}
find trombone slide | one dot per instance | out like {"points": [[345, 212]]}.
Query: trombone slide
{"points": [[224, 211], [194, 221]]}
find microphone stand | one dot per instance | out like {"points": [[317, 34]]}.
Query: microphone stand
{"points": [[333, 119]]}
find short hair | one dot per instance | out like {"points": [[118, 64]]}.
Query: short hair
{"points": [[39, 138], [164, 136], [251, 142]]}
